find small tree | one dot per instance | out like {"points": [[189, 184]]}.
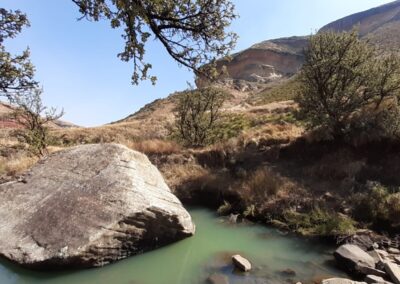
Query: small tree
{"points": [[197, 113], [34, 117], [343, 80]]}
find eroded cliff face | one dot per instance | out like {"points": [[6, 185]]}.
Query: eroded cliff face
{"points": [[262, 63]]}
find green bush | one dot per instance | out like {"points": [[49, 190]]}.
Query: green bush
{"points": [[378, 207], [345, 85], [319, 222]]}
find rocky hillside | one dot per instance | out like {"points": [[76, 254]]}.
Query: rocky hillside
{"points": [[271, 60], [265, 62], [380, 25]]}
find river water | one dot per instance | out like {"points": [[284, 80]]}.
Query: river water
{"points": [[276, 258]]}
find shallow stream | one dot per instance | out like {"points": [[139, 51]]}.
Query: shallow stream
{"points": [[276, 258]]}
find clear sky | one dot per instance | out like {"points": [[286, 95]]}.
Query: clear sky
{"points": [[77, 61]]}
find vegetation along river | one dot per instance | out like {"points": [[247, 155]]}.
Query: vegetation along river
{"points": [[276, 258]]}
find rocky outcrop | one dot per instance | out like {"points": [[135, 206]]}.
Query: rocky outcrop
{"points": [[377, 265], [88, 206], [262, 63], [351, 257], [394, 271]]}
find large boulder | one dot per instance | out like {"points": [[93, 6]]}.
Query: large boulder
{"points": [[352, 257], [88, 206]]}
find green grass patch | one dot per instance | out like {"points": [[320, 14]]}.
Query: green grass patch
{"points": [[282, 91]]}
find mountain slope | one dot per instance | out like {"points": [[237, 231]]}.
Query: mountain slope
{"points": [[274, 59], [380, 25]]}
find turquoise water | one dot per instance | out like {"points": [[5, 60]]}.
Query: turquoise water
{"points": [[193, 260]]}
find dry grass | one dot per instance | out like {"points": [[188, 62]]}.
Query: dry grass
{"points": [[262, 184], [155, 147], [16, 164], [337, 166]]}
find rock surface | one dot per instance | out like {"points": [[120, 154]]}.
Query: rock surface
{"points": [[394, 271], [372, 279], [241, 263], [89, 206], [340, 281], [351, 257]]}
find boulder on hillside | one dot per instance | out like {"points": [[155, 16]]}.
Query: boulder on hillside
{"points": [[351, 257], [88, 206]]}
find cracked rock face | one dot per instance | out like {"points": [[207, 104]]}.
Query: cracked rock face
{"points": [[89, 206]]}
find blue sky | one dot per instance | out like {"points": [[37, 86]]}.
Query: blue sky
{"points": [[77, 61]]}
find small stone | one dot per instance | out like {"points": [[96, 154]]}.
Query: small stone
{"points": [[393, 251], [233, 218], [217, 279], [241, 263], [375, 246], [288, 272]]}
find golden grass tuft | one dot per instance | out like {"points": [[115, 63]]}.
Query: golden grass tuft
{"points": [[16, 164], [155, 147]]}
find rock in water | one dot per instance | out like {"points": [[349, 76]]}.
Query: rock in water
{"points": [[88, 206], [241, 263], [351, 257]]}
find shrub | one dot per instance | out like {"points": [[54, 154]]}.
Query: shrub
{"points": [[260, 186], [343, 81], [34, 117], [196, 115], [319, 222], [225, 208], [377, 207]]}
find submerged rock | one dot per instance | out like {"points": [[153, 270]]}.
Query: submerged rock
{"points": [[88, 206], [218, 279], [241, 263]]}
